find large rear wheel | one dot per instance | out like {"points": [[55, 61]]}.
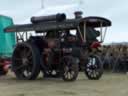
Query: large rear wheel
{"points": [[26, 61]]}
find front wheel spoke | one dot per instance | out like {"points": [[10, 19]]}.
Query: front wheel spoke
{"points": [[87, 69], [72, 74], [97, 73], [94, 73], [93, 61], [88, 66], [97, 70], [66, 68], [66, 74], [89, 72], [96, 65]]}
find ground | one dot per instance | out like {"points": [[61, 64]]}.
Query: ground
{"points": [[109, 85]]}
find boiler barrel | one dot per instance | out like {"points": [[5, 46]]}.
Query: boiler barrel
{"points": [[57, 17]]}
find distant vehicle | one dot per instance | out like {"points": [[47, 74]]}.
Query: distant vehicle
{"points": [[64, 46], [7, 43]]}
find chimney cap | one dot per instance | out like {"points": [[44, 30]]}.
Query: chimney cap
{"points": [[78, 14]]}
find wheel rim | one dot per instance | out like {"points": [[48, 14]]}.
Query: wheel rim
{"points": [[23, 61], [69, 69], [93, 67], [68, 73]]}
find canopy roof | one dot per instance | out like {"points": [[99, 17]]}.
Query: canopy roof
{"points": [[91, 21]]}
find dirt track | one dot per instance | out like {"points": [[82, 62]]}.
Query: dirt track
{"points": [[108, 85]]}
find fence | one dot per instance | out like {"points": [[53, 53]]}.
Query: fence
{"points": [[115, 57]]}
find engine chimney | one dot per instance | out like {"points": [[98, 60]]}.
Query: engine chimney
{"points": [[78, 14]]}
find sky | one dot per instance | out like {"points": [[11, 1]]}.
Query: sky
{"points": [[115, 10]]}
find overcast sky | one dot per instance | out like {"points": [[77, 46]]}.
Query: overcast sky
{"points": [[115, 10]]}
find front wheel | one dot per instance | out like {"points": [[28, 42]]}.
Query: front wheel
{"points": [[94, 68], [70, 68]]}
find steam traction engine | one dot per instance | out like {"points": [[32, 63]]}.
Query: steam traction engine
{"points": [[61, 46]]}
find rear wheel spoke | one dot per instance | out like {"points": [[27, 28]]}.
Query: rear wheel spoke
{"points": [[19, 67], [18, 59]]}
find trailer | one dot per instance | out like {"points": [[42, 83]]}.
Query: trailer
{"points": [[7, 43]]}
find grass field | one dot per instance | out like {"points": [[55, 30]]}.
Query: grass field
{"points": [[109, 85]]}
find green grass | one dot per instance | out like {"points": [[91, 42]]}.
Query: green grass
{"points": [[109, 85]]}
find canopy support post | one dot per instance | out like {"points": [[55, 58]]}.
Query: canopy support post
{"points": [[101, 30], [84, 31], [80, 33], [105, 33]]}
